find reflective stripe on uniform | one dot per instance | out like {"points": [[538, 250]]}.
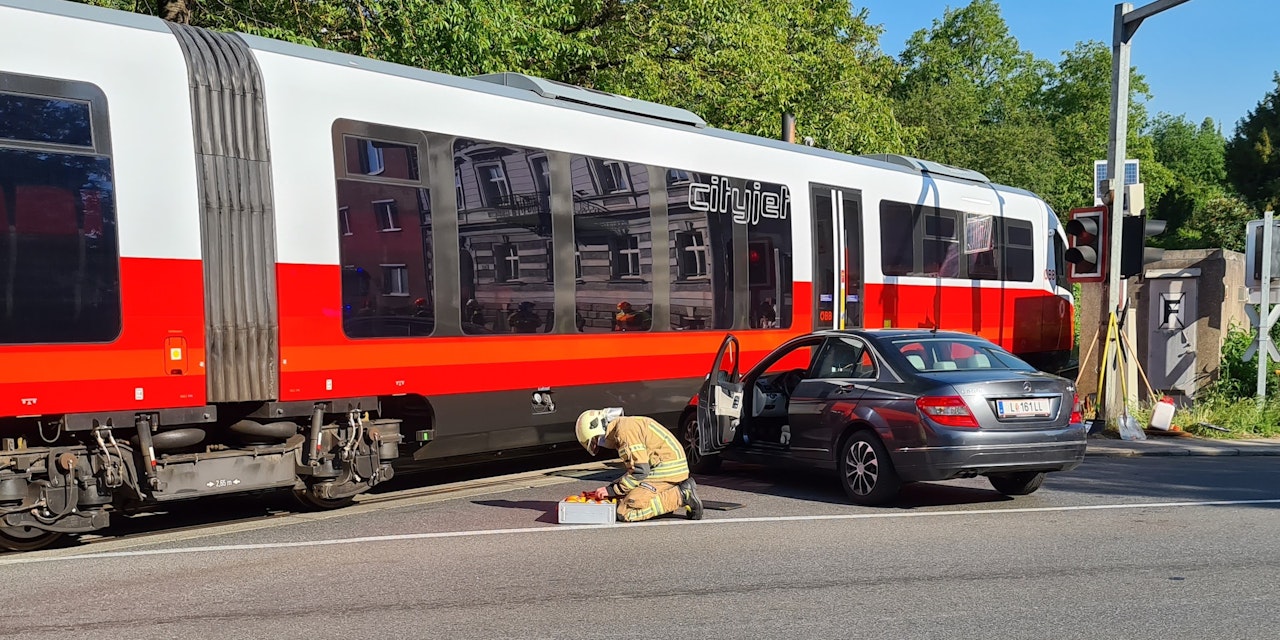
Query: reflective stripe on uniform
{"points": [[666, 437]]}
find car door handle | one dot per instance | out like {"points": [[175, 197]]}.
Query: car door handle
{"points": [[848, 388]]}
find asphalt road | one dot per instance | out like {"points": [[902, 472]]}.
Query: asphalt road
{"points": [[1119, 548]]}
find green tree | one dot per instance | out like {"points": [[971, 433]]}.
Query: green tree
{"points": [[1077, 103], [1197, 205], [738, 64], [971, 92], [1253, 164]]}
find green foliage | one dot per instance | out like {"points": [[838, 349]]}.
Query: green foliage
{"points": [[1237, 377], [1253, 166], [737, 63], [1195, 153], [963, 91], [973, 93], [1241, 418]]}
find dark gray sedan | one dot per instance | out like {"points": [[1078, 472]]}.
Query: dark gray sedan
{"points": [[886, 407]]}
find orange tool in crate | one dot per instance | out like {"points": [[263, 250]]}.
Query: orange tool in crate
{"points": [[587, 509]]}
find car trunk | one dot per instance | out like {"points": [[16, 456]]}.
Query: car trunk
{"points": [[1013, 400]]}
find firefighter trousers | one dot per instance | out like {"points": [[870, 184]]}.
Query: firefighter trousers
{"points": [[649, 500]]}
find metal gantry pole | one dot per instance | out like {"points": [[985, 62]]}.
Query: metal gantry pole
{"points": [[1127, 21], [1264, 312], [1109, 401]]}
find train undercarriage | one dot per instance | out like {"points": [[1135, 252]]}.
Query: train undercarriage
{"points": [[66, 475]]}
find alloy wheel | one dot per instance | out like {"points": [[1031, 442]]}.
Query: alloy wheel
{"points": [[862, 467]]}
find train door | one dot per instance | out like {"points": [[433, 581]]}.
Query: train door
{"points": [[837, 268]]}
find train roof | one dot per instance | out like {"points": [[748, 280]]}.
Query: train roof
{"points": [[533, 89]]}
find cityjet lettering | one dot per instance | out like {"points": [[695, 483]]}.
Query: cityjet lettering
{"points": [[748, 204]]}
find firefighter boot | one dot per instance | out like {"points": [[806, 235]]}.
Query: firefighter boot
{"points": [[689, 496]]}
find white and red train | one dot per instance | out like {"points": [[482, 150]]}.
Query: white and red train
{"points": [[230, 264]]}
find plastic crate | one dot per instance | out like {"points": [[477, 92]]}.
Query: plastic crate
{"points": [[586, 513]]}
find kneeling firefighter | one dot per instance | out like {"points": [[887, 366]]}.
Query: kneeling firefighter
{"points": [[657, 479]]}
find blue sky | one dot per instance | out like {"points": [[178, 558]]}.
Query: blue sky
{"points": [[1202, 58]]}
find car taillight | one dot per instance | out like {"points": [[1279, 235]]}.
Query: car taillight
{"points": [[1076, 417], [949, 411]]}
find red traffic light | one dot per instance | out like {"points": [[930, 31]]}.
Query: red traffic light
{"points": [[1087, 233]]}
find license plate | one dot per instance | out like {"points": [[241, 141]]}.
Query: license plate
{"points": [[1028, 408]]}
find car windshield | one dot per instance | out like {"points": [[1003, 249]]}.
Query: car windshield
{"points": [[950, 354]]}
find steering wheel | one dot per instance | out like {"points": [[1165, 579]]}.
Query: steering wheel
{"points": [[791, 379]]}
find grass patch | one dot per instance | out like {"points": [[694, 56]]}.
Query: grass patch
{"points": [[1242, 418]]}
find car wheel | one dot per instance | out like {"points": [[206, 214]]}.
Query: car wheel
{"points": [[866, 472], [698, 463], [1017, 484]]}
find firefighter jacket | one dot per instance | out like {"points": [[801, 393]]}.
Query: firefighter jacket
{"points": [[649, 451]]}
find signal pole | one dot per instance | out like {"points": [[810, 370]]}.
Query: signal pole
{"points": [[1127, 21]]}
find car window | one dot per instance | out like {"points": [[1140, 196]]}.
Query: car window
{"points": [[798, 358], [844, 358], [949, 354]]}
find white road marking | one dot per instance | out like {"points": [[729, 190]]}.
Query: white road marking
{"points": [[652, 523]]}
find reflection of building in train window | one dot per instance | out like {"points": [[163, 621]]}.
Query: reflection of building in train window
{"points": [[626, 253], [611, 176], [388, 215], [371, 159], [493, 185], [541, 174], [692, 256], [395, 280], [507, 262], [459, 192]]}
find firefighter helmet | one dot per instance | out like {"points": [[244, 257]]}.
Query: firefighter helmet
{"points": [[592, 425]]}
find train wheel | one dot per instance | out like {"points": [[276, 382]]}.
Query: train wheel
{"points": [[309, 500], [27, 538]]}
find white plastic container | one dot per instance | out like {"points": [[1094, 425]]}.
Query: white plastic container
{"points": [[586, 513], [1162, 414]]}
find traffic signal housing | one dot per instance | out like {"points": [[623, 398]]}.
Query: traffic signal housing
{"points": [[1134, 252], [1087, 233]]}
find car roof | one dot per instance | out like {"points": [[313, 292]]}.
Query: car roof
{"points": [[892, 333]]}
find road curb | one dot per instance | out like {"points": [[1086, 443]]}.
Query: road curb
{"points": [[1143, 450]]}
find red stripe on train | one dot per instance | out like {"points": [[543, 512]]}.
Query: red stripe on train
{"points": [[163, 308], [1020, 320], [319, 361]]}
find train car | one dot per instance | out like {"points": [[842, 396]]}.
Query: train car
{"points": [[230, 264]]}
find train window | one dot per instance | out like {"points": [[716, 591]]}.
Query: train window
{"points": [[769, 259], [702, 267], [1060, 263], [27, 118], [1019, 251], [941, 244], [613, 245], [897, 238], [504, 232], [384, 242], [981, 248], [59, 258], [705, 213]]}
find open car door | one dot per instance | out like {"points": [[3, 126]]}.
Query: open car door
{"points": [[720, 402]]}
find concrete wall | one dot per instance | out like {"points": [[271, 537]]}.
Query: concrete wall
{"points": [[1220, 301]]}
